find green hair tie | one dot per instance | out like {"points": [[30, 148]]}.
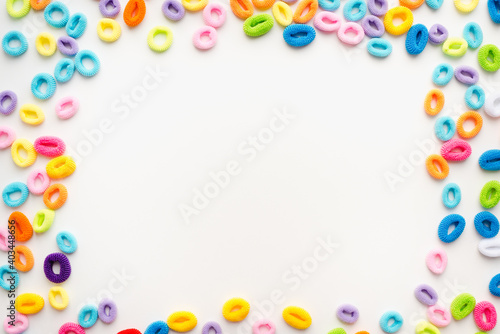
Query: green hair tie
{"points": [[337, 331], [489, 50], [22, 12], [462, 306], [455, 47], [490, 194], [258, 25], [43, 220]]}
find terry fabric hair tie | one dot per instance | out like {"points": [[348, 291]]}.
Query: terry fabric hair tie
{"points": [[391, 322], [29, 260], [438, 34], [31, 114], [486, 224], [109, 24], [434, 4], [107, 311], [64, 70], [416, 39], [212, 326], [495, 285], [492, 107], [426, 295], [480, 99], [297, 317], [437, 166], [494, 10], [327, 21], [329, 5], [71, 328], [235, 309], [454, 190], [182, 321], [87, 317], [351, 39], [26, 146], [45, 44], [76, 25], [130, 331], [284, 16], [19, 13], [373, 26], [455, 47], [195, 6], [8, 102], [306, 9], [412, 4], [43, 220], [462, 306], [110, 8], [29, 303], [62, 196], [347, 313], [487, 52], [60, 167], [269, 326], [425, 327], [160, 327], [169, 38], [469, 115], [456, 150], [355, 10], [208, 15], [67, 107], [205, 43], [485, 316], [21, 325], [299, 35], [56, 6], [38, 81], [453, 220], [377, 7], [258, 25], [439, 316], [49, 146], [379, 47], [65, 266], [434, 95], [489, 247], [134, 12], [473, 35], [6, 270], [24, 230], [12, 188], [7, 137], [468, 7], [53, 301], [17, 50], [39, 4], [442, 74], [66, 242], [87, 54], [490, 160], [173, 10], [402, 13], [243, 9], [67, 46], [490, 194], [263, 4], [466, 75], [445, 128]]}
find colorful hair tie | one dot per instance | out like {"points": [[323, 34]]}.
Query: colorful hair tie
{"points": [[12, 188], [269, 326], [283, 13], [426, 295], [438, 34], [130, 331], [425, 327], [25, 145], [492, 108], [87, 317], [434, 4], [411, 4], [299, 35], [297, 317], [373, 26], [14, 36], [489, 247], [337, 331], [21, 325], [39, 4], [445, 128], [416, 39], [58, 291], [454, 189], [439, 80], [194, 6], [243, 9], [64, 65], [67, 46], [379, 47], [24, 251], [4, 239], [212, 326], [56, 6], [19, 13], [49, 146], [493, 10], [169, 38], [258, 25], [235, 309], [437, 166], [60, 167], [71, 328], [7, 137], [43, 220], [38, 81], [434, 95], [327, 21], [466, 8], [477, 91], [173, 10], [65, 270], [262, 4], [87, 54], [61, 197], [466, 75], [11, 97], [469, 115], [391, 322], [451, 220], [355, 10], [485, 316], [456, 150], [442, 320], [182, 321], [31, 114], [67, 107], [490, 194], [217, 9], [134, 12], [76, 25], [4, 284], [486, 224], [24, 230], [306, 9], [495, 285], [107, 311], [351, 39], [487, 52], [347, 313], [490, 160], [473, 35], [29, 303], [377, 7], [45, 44], [462, 306], [66, 242], [209, 42], [329, 5], [455, 47], [110, 8], [114, 33], [402, 13], [161, 327]]}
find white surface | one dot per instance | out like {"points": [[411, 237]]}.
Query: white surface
{"points": [[322, 177]]}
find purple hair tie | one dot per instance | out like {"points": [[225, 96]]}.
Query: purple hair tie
{"points": [[111, 13], [438, 34], [426, 295], [5, 95], [373, 26], [173, 10], [109, 316], [65, 270], [67, 46], [347, 313], [466, 75], [211, 325], [377, 7]]}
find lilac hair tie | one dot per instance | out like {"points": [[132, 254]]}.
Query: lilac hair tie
{"points": [[426, 295], [67, 46], [373, 26], [347, 313], [466, 75], [211, 325], [8, 95], [106, 11], [107, 311], [65, 267], [438, 34], [173, 10], [377, 7]]}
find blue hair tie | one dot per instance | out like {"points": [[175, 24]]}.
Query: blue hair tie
{"points": [[80, 56], [4, 270], [434, 4], [15, 187], [379, 47], [494, 12], [76, 25], [387, 318], [40, 79], [157, 327], [56, 7], [445, 224], [490, 160], [329, 5], [416, 39], [486, 217], [480, 94], [494, 285], [355, 4], [12, 36], [448, 74], [89, 311], [64, 64], [445, 128], [298, 35], [457, 195], [474, 41], [66, 242]]}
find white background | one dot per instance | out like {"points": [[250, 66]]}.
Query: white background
{"points": [[356, 118]]}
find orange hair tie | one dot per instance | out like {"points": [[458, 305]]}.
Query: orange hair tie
{"points": [[39, 4], [478, 124], [24, 230], [411, 4], [438, 96], [61, 198], [134, 12], [241, 8], [437, 166], [298, 16], [28, 255], [263, 4]]}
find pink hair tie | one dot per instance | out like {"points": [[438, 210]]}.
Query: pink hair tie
{"points": [[49, 146], [358, 31], [439, 316], [436, 261], [327, 21], [208, 15], [21, 324], [4, 239], [489, 312], [456, 150], [263, 323], [209, 43], [7, 137], [71, 327], [38, 174], [67, 107]]}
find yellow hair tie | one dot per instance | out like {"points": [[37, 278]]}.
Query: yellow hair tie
{"points": [[60, 167], [157, 31], [58, 291], [466, 8], [455, 47], [26, 145], [110, 37], [196, 6], [402, 13], [235, 309], [31, 114], [45, 44], [182, 321], [297, 317], [29, 303], [282, 13]]}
